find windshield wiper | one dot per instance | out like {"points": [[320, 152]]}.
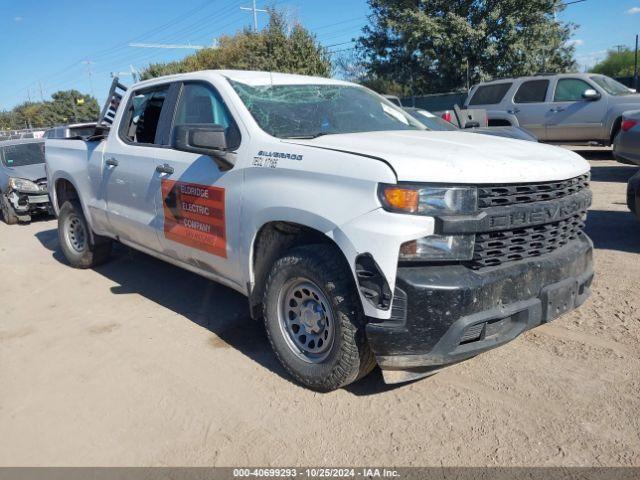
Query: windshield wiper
{"points": [[309, 137]]}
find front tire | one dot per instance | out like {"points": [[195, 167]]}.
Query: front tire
{"points": [[8, 215], [314, 319], [75, 240]]}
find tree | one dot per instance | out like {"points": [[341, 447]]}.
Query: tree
{"points": [[72, 106], [69, 106], [277, 48], [616, 64], [427, 46]]}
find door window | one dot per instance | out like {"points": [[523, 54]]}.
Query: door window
{"points": [[532, 91], [143, 115], [200, 103], [570, 90], [490, 94]]}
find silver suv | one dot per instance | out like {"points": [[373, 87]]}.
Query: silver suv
{"points": [[562, 108]]}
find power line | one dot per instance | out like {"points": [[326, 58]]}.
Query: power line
{"points": [[176, 20], [127, 57], [322, 27], [338, 44], [167, 46]]}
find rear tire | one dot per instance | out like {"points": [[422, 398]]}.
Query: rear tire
{"points": [[8, 215], [75, 240], [314, 319]]}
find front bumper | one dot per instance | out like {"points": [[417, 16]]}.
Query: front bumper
{"points": [[27, 204], [446, 314]]}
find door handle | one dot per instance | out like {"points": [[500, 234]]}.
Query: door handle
{"points": [[556, 110], [164, 168], [513, 111], [111, 162]]}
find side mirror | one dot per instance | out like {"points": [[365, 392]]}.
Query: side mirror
{"points": [[472, 124], [203, 138], [591, 94]]}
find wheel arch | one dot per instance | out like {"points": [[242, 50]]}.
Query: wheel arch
{"points": [[64, 189], [269, 243], [615, 128]]}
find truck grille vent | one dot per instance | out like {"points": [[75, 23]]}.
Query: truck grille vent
{"points": [[495, 248], [504, 195]]}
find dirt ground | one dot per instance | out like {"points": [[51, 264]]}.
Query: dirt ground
{"points": [[139, 363]]}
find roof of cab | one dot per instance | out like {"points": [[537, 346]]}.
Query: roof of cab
{"points": [[540, 76], [254, 78]]}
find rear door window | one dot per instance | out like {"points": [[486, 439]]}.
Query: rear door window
{"points": [[490, 94], [143, 116], [532, 91], [570, 90]]}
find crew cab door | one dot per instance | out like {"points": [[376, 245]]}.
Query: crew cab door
{"points": [[529, 107], [573, 117], [199, 205], [130, 178]]}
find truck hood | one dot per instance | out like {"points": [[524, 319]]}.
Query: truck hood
{"points": [[448, 157], [28, 172]]}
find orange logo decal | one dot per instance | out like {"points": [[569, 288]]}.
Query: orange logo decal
{"points": [[194, 216]]}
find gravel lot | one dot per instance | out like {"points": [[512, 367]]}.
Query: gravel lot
{"points": [[141, 363]]}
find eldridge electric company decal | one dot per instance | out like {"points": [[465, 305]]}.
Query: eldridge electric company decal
{"points": [[194, 216]]}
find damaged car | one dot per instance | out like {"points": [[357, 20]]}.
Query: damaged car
{"points": [[23, 183]]}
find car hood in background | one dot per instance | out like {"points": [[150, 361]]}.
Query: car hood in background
{"points": [[458, 157], [517, 133], [29, 172]]}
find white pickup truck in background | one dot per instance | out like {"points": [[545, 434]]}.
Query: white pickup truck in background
{"points": [[358, 235]]}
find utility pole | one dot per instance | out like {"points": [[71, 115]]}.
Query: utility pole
{"points": [[619, 47], [133, 73], [88, 63], [255, 14], [41, 92], [635, 67]]}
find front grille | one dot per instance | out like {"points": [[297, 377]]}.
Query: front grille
{"points": [[504, 195], [498, 247]]}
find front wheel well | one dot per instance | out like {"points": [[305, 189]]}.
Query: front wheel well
{"points": [[272, 240], [617, 124], [65, 191]]}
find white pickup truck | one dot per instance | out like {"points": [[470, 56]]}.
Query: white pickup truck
{"points": [[358, 235]]}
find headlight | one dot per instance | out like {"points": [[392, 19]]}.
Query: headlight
{"points": [[433, 201], [439, 247], [23, 185], [428, 200]]}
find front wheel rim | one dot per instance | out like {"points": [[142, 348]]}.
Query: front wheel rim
{"points": [[306, 320], [76, 234]]}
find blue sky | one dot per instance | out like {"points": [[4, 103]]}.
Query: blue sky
{"points": [[49, 46]]}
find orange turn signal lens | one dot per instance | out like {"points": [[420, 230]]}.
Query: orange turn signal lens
{"points": [[403, 199]]}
